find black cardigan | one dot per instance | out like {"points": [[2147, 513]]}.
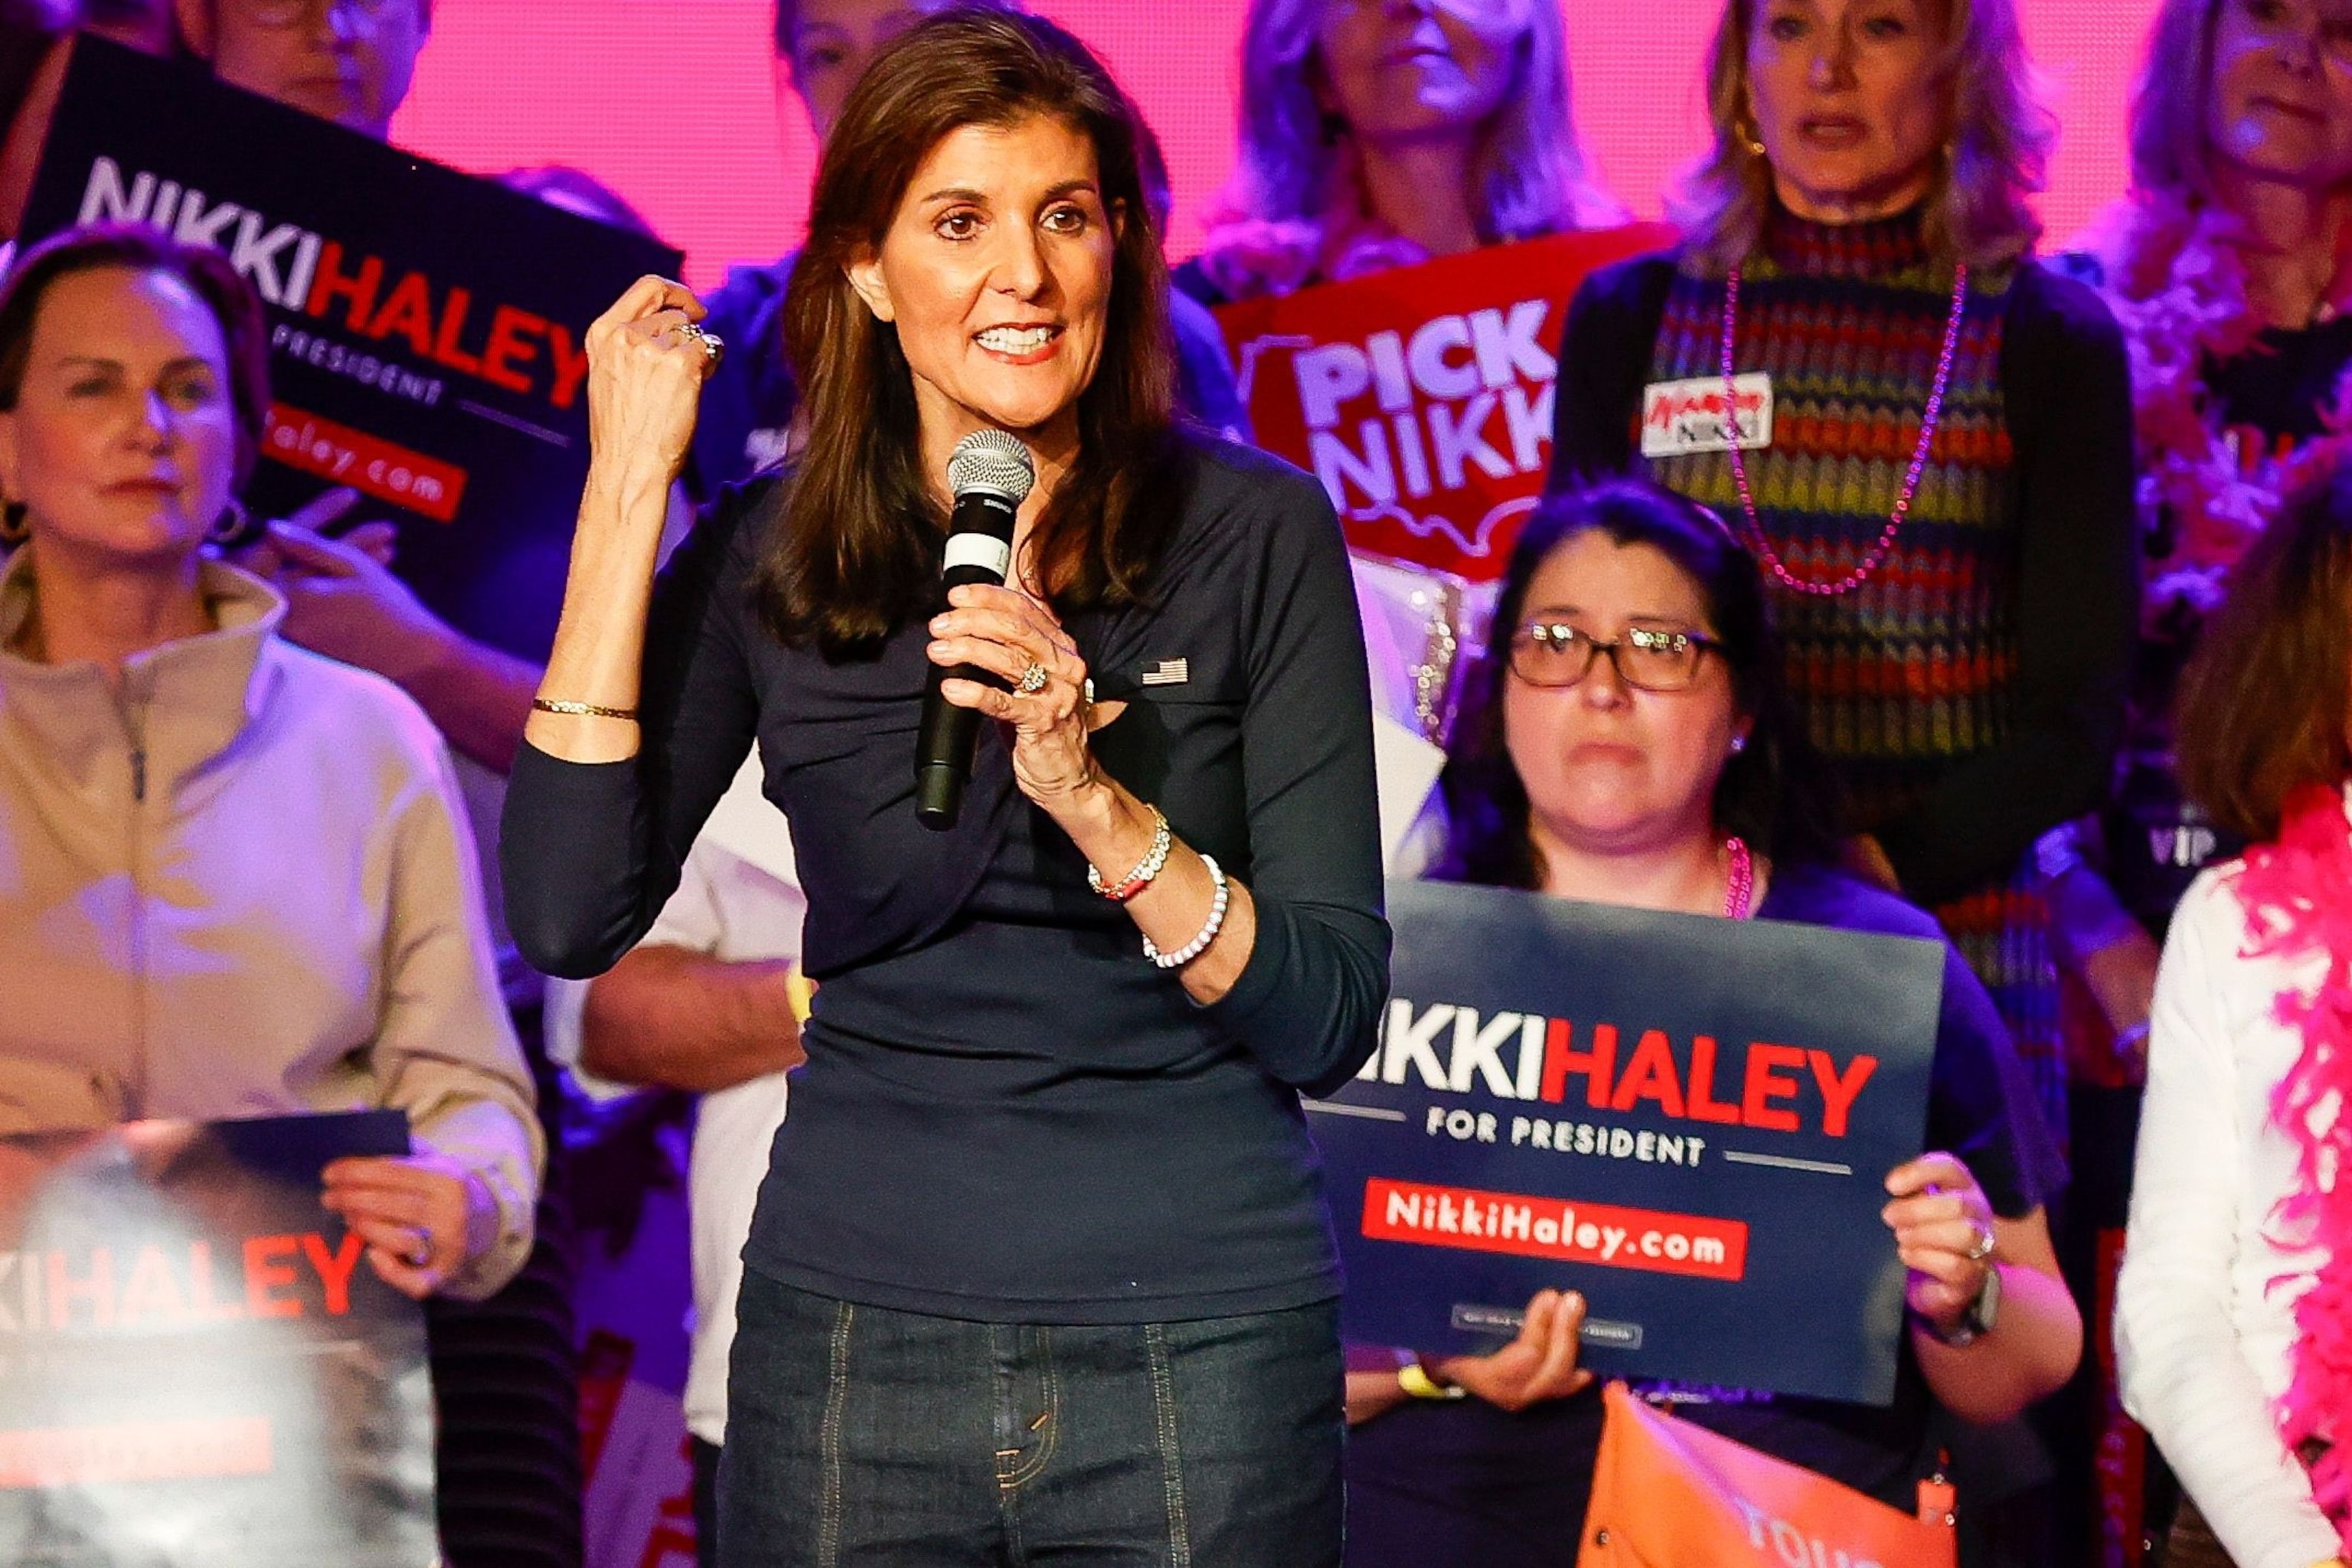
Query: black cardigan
{"points": [[2066, 388], [1007, 1113]]}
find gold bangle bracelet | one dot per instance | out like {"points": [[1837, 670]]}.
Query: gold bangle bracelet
{"points": [[584, 710]]}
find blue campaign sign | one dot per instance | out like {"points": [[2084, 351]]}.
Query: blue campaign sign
{"points": [[426, 329], [1688, 1120]]}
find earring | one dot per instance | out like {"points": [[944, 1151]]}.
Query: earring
{"points": [[1738, 744], [233, 528]]}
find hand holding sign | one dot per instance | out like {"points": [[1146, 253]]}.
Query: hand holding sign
{"points": [[1540, 1364], [1943, 1226], [645, 371], [1685, 1119], [343, 600], [422, 1215]]}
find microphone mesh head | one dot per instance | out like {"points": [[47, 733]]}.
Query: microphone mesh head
{"points": [[991, 462]]}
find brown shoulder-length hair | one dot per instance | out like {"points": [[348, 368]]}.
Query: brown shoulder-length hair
{"points": [[854, 551], [2267, 695], [1979, 209], [138, 248], [1775, 792]]}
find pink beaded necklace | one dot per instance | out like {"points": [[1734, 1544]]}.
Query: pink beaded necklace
{"points": [[1741, 887], [1870, 563]]}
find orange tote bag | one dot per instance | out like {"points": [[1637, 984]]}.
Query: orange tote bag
{"points": [[1668, 1494]]}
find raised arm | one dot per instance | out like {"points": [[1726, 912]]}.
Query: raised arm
{"points": [[657, 711]]}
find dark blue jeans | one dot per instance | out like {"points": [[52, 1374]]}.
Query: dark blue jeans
{"points": [[859, 1437]]}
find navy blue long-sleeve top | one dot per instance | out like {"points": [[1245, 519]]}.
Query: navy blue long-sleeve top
{"points": [[1007, 1113]]}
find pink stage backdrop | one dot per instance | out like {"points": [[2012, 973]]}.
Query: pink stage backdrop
{"points": [[671, 102]]}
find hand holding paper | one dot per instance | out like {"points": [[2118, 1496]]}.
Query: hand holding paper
{"points": [[1943, 1232], [419, 1216]]}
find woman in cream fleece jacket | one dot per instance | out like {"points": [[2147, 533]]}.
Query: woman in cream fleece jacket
{"points": [[235, 878]]}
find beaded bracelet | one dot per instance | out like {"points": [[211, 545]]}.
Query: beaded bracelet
{"points": [[1198, 944], [1154, 859]]}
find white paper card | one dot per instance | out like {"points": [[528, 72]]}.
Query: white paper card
{"points": [[1680, 418]]}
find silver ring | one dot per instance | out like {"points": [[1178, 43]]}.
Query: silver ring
{"points": [[1033, 680], [1984, 1245], [421, 1253], [713, 346]]}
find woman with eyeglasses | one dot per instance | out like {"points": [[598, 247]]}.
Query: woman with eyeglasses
{"points": [[1627, 741]]}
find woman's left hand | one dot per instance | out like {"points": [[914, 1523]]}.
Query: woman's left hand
{"points": [[1007, 633], [1943, 1232], [416, 1214]]}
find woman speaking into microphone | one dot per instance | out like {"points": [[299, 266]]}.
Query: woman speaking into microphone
{"points": [[1041, 1263]]}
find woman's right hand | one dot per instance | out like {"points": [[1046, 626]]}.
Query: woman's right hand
{"points": [[1540, 1364], [644, 377]]}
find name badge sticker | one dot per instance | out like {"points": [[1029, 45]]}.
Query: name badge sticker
{"points": [[1683, 417]]}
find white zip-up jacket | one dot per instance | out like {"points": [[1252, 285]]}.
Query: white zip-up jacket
{"points": [[242, 884]]}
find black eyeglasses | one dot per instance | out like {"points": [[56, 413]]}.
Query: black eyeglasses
{"points": [[1554, 653]]}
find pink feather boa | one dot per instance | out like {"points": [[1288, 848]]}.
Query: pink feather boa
{"points": [[2179, 291], [2297, 893]]}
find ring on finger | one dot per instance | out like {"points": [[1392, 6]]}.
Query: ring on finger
{"points": [[421, 1254], [1033, 680], [713, 346], [1982, 1247]]}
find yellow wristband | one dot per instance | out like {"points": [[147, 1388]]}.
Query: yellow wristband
{"points": [[1414, 1378]]}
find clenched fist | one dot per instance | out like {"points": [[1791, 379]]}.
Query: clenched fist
{"points": [[647, 364]]}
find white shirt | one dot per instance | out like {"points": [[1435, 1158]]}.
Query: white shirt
{"points": [[2202, 1339], [732, 909]]}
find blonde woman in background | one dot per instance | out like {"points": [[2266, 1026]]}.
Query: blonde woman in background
{"points": [[1376, 133]]}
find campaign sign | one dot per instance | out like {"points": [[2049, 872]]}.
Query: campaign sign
{"points": [[1422, 396], [197, 1365], [1688, 1120], [426, 328]]}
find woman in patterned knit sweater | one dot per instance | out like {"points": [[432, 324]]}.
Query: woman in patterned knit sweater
{"points": [[1934, 456]]}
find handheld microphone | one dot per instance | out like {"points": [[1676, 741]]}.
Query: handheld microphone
{"points": [[990, 475]]}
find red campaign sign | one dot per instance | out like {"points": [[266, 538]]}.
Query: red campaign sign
{"points": [[368, 464], [1533, 1225], [1423, 397], [135, 1451]]}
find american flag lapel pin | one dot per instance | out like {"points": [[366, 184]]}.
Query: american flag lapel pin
{"points": [[1167, 672]]}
